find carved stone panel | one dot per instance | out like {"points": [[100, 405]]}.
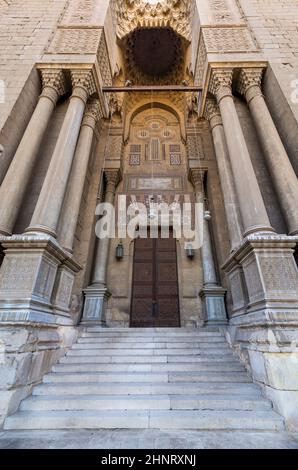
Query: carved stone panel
{"points": [[75, 41], [279, 275], [253, 280], [45, 279], [63, 290]]}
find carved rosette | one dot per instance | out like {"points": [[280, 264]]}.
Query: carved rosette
{"points": [[221, 83], [83, 84], [93, 113], [250, 82], [212, 113], [53, 84]]}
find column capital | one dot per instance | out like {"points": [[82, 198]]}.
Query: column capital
{"points": [[196, 177], [83, 84], [212, 113], [112, 179], [250, 82], [53, 84], [93, 113], [221, 83]]}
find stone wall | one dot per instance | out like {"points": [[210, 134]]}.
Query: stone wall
{"points": [[275, 27], [25, 32], [26, 354]]}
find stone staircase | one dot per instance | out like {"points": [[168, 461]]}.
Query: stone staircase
{"points": [[161, 378]]}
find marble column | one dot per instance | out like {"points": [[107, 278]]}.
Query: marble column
{"points": [[97, 294], [212, 113], [16, 180], [252, 207], [73, 198], [279, 165], [213, 295], [48, 208]]}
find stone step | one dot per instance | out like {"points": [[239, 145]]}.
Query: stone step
{"points": [[152, 339], [151, 345], [145, 388], [144, 402], [151, 377], [147, 352], [143, 331], [160, 419], [158, 367], [115, 376], [134, 359]]}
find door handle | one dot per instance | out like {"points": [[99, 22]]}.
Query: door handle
{"points": [[154, 309]]}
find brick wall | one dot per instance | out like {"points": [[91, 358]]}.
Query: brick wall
{"points": [[274, 24], [25, 29]]}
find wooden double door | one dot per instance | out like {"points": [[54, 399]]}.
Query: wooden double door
{"points": [[155, 298]]}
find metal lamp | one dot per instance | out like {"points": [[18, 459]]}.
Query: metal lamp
{"points": [[120, 251], [190, 252]]}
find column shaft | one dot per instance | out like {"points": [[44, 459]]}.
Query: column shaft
{"points": [[47, 211], [252, 207], [225, 174], [280, 167], [72, 202], [103, 245], [17, 177]]}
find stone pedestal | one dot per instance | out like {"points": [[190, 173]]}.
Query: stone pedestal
{"points": [[36, 280], [213, 298], [96, 298], [269, 273], [263, 277]]}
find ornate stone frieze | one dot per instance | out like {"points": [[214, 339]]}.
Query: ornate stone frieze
{"points": [[250, 82], [133, 14], [221, 11], [81, 12], [194, 146], [104, 63], [222, 39], [75, 41], [201, 62]]}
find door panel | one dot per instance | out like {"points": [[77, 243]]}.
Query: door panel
{"points": [[155, 299]]}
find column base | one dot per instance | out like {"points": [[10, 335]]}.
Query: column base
{"points": [[36, 280], [213, 298], [96, 298]]}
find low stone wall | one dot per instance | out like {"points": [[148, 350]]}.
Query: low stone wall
{"points": [[27, 353], [270, 353]]}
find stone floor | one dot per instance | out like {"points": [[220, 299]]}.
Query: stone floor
{"points": [[146, 439]]}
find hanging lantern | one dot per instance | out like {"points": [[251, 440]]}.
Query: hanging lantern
{"points": [[120, 251], [190, 252]]}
